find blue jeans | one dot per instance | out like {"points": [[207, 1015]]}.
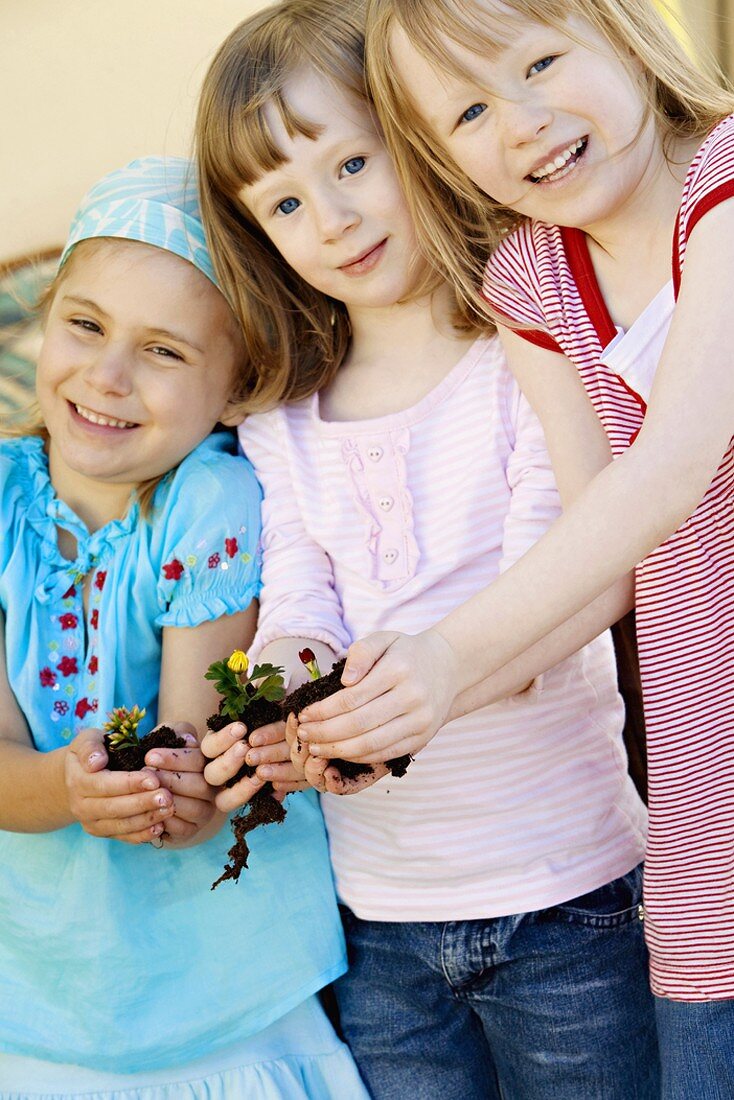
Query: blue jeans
{"points": [[696, 1049], [550, 1005]]}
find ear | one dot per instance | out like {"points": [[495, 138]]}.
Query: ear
{"points": [[231, 415]]}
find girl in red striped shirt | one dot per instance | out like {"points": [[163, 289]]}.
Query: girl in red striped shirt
{"points": [[570, 146]]}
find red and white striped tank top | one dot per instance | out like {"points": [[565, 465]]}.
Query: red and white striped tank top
{"points": [[542, 276]]}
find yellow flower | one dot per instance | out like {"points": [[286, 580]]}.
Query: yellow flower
{"points": [[238, 662]]}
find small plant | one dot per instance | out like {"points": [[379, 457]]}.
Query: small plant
{"points": [[122, 727], [307, 657], [237, 688], [255, 701], [125, 750]]}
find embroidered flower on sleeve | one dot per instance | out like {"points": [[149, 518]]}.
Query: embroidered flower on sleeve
{"points": [[94, 619], [93, 666], [214, 561], [231, 547], [69, 594], [173, 570], [68, 621], [47, 677], [83, 708], [67, 666], [61, 706]]}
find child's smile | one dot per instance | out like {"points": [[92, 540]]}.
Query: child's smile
{"points": [[552, 125], [99, 420], [135, 369]]}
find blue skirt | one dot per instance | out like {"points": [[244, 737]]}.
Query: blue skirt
{"points": [[299, 1057]]}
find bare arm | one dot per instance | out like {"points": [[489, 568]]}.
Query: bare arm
{"points": [[409, 695], [186, 696], [44, 791]]}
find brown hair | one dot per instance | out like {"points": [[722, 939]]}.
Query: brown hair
{"points": [[458, 225], [295, 335]]}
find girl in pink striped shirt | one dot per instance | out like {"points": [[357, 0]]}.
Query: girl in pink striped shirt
{"points": [[402, 472], [575, 144]]}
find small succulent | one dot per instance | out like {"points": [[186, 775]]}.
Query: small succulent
{"points": [[122, 727], [237, 688]]}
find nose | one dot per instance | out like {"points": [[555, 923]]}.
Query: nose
{"points": [[109, 371], [335, 214], [523, 121]]}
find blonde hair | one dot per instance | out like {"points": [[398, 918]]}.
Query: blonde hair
{"points": [[296, 336], [457, 224]]}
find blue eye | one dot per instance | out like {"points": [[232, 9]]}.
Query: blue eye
{"points": [[542, 64], [473, 112], [287, 206], [354, 165]]}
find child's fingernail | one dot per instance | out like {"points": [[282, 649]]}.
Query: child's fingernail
{"points": [[314, 750], [241, 749], [155, 759], [265, 772], [255, 739], [162, 799], [150, 783], [156, 830], [349, 675], [94, 758], [253, 758]]}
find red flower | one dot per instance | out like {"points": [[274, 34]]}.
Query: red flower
{"points": [[100, 579], [93, 665], [67, 666], [47, 677], [172, 570], [306, 655], [230, 545], [214, 561], [68, 621], [61, 706], [83, 707], [94, 619], [69, 594]]}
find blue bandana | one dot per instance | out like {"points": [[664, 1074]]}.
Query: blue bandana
{"points": [[153, 200]]}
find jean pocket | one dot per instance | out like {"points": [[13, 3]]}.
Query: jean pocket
{"points": [[617, 903]]}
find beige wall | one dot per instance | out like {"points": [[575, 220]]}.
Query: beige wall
{"points": [[87, 85]]}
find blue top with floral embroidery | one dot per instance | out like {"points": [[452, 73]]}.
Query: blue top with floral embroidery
{"points": [[112, 955]]}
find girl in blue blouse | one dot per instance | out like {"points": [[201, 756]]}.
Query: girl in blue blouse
{"points": [[128, 562]]}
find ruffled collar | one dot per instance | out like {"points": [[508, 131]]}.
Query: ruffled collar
{"points": [[45, 512]]}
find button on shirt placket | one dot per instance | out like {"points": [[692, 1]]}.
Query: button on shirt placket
{"points": [[382, 472]]}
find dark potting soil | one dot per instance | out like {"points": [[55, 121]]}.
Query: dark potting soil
{"points": [[262, 809], [312, 692], [131, 758]]}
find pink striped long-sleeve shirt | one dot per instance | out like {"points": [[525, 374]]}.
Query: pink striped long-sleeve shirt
{"points": [[389, 523]]}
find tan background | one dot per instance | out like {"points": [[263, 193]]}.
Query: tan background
{"points": [[86, 85]]}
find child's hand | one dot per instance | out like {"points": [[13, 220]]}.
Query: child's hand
{"points": [[400, 688], [181, 771], [128, 806], [318, 773], [268, 750]]}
